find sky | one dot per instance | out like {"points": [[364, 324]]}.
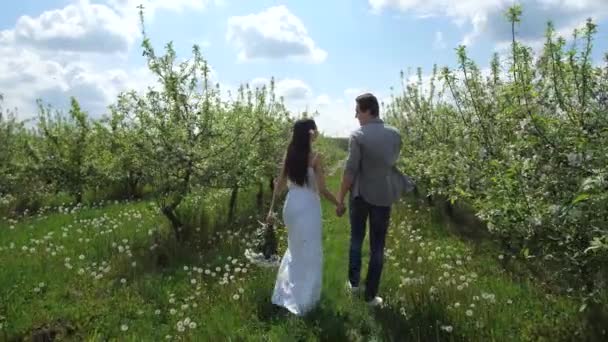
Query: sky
{"points": [[321, 53]]}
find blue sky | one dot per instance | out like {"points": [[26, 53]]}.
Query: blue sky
{"points": [[323, 53]]}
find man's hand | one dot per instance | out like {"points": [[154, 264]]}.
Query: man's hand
{"points": [[340, 210]]}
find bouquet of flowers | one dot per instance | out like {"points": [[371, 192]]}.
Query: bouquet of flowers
{"points": [[264, 252]]}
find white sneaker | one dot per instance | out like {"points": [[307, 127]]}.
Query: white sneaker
{"points": [[354, 290], [377, 301]]}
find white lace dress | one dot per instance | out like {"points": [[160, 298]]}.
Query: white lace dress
{"points": [[299, 279]]}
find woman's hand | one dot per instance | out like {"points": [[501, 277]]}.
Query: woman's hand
{"points": [[270, 218], [340, 209]]}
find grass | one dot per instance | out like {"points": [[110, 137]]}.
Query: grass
{"points": [[113, 273]]}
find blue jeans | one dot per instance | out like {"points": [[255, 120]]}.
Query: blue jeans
{"points": [[379, 218]]}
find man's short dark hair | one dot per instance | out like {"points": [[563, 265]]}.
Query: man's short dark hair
{"points": [[369, 102]]}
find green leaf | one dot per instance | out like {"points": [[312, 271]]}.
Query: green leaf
{"points": [[581, 198]]}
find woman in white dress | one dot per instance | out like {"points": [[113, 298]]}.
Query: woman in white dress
{"points": [[299, 279]]}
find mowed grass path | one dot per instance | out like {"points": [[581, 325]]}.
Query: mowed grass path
{"points": [[112, 274]]}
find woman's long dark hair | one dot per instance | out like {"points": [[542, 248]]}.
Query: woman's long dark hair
{"points": [[298, 152]]}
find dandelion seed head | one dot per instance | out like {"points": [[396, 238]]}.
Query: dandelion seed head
{"points": [[447, 328]]}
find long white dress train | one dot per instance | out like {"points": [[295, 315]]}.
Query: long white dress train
{"points": [[299, 279]]}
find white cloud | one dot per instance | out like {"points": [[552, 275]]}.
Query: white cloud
{"points": [[273, 34], [26, 76], [78, 27], [83, 26], [336, 114], [439, 42], [78, 50], [487, 17], [427, 8], [322, 101], [293, 91]]}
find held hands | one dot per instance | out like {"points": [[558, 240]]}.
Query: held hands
{"points": [[340, 209], [270, 219]]}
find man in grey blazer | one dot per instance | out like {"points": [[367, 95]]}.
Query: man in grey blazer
{"points": [[375, 184]]}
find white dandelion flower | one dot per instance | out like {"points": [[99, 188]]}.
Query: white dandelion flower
{"points": [[124, 327]]}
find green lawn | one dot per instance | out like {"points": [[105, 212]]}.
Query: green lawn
{"points": [[112, 273]]}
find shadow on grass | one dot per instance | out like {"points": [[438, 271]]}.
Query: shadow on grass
{"points": [[422, 322], [162, 253], [324, 322]]}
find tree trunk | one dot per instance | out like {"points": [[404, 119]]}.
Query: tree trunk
{"points": [[260, 198], [176, 224], [79, 196], [133, 183], [449, 209], [232, 204]]}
